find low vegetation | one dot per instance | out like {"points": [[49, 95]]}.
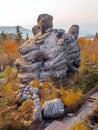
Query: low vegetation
{"points": [[80, 126], [12, 116]]}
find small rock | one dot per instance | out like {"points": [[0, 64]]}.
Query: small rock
{"points": [[36, 91], [35, 30], [26, 92], [35, 96], [29, 96], [19, 95], [24, 97]]}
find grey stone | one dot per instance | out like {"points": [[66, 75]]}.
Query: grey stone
{"points": [[29, 96], [28, 46], [24, 97], [33, 67], [19, 95], [35, 30], [74, 30], [36, 91], [49, 52], [44, 22], [60, 41], [53, 109], [60, 33], [35, 96], [37, 111], [68, 37]]}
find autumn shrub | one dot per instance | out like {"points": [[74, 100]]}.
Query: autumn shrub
{"points": [[4, 60], [70, 96], [10, 47], [7, 72], [35, 83], [89, 49], [80, 126], [25, 112], [48, 90], [13, 125], [26, 106], [8, 93]]}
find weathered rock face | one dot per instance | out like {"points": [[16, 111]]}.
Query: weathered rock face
{"points": [[53, 109], [27, 92], [44, 22], [37, 111], [51, 52]]}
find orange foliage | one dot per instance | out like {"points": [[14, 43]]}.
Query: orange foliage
{"points": [[10, 48], [35, 83], [46, 83], [89, 49]]}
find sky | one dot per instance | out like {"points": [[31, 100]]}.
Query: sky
{"points": [[25, 12]]}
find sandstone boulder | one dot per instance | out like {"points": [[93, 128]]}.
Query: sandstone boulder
{"points": [[53, 109], [51, 52]]}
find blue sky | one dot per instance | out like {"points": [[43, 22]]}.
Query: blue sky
{"points": [[25, 12]]}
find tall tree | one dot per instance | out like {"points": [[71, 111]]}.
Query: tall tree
{"points": [[3, 36], [27, 37], [19, 34]]}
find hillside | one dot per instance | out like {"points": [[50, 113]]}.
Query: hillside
{"points": [[87, 30], [12, 29]]}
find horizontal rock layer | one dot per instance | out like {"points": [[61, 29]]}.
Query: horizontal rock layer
{"points": [[51, 52]]}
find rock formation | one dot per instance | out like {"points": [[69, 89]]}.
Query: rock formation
{"points": [[51, 52]]}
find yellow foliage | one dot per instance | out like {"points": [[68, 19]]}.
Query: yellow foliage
{"points": [[7, 90], [7, 71], [94, 58], [26, 106], [8, 93], [46, 83], [80, 126], [48, 91], [70, 96], [35, 83]]}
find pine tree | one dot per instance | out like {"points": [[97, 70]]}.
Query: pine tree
{"points": [[27, 37], [3, 36], [19, 34], [96, 37]]}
